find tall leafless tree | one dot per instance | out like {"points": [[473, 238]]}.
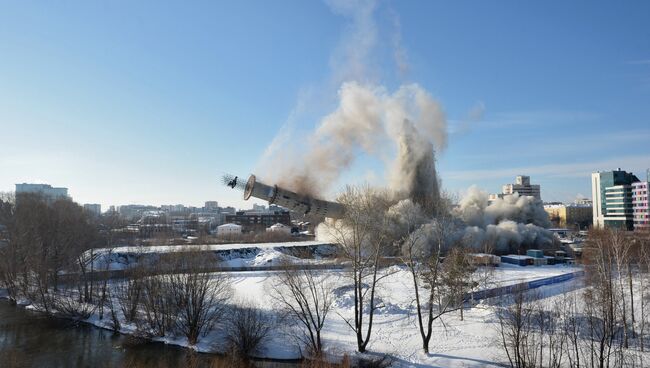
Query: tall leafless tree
{"points": [[305, 295], [364, 240]]}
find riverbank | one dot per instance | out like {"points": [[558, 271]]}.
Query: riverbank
{"points": [[30, 338]]}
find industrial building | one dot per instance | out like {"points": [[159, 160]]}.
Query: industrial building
{"points": [[258, 221]]}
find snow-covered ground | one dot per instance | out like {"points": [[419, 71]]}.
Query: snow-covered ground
{"points": [[471, 342]]}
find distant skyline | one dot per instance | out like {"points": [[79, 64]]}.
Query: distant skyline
{"points": [[151, 102]]}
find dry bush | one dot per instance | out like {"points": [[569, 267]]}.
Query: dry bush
{"points": [[248, 328], [129, 296], [159, 308], [65, 303], [200, 300]]}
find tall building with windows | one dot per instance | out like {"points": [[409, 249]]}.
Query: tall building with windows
{"points": [[612, 198], [618, 201], [523, 187], [640, 205]]}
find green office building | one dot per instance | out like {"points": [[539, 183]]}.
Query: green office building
{"points": [[612, 199]]}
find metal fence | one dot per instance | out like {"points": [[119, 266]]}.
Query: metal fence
{"points": [[523, 286]]}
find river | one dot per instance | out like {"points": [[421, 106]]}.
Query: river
{"points": [[30, 339]]}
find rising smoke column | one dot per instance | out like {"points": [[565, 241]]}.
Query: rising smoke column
{"points": [[403, 128]]}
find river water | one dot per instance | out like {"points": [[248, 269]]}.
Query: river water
{"points": [[30, 339]]}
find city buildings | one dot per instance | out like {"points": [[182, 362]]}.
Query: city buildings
{"points": [[93, 208], [523, 187], [48, 192], [612, 199], [577, 215], [131, 211]]}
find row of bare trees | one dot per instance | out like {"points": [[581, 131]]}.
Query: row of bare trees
{"points": [[601, 325], [46, 240], [51, 258], [377, 231]]}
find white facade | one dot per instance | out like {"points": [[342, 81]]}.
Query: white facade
{"points": [[598, 216], [228, 229]]}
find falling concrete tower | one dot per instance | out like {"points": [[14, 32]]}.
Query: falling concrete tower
{"points": [[291, 200]]}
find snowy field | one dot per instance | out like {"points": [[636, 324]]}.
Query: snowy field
{"points": [[472, 342]]}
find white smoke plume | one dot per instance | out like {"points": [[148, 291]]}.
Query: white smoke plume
{"points": [[402, 128], [475, 211], [506, 223], [503, 226]]}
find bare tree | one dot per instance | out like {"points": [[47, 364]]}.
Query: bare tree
{"points": [[439, 287], [306, 296], [159, 307], [129, 296], [200, 297], [601, 296], [363, 238], [515, 331]]}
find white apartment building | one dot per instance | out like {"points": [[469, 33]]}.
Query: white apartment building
{"points": [[523, 187]]}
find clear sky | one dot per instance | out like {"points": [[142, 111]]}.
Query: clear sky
{"points": [[151, 101]]}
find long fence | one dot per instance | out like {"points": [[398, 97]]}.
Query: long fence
{"points": [[522, 286]]}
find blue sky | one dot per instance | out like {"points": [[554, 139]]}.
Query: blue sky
{"points": [[150, 102]]}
